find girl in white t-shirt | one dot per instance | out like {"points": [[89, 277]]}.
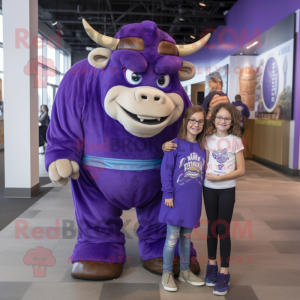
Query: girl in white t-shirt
{"points": [[224, 163]]}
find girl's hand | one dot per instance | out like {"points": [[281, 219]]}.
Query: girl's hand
{"points": [[212, 177], [169, 202], [169, 146]]}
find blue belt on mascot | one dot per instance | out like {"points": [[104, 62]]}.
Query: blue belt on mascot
{"points": [[122, 164]]}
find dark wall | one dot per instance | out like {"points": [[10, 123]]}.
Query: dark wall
{"points": [[78, 56]]}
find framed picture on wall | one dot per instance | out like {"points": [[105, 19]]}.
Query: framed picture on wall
{"points": [[224, 74]]}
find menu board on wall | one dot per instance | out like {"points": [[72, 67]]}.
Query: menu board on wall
{"points": [[275, 82], [224, 74], [264, 77], [265, 82]]}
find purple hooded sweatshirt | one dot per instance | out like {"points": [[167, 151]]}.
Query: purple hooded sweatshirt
{"points": [[182, 175]]}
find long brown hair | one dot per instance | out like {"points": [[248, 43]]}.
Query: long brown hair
{"points": [[235, 128], [45, 107], [183, 131]]}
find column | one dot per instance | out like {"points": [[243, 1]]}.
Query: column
{"points": [[44, 88], [20, 23]]}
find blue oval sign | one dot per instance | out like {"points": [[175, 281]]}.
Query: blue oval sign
{"points": [[270, 84]]}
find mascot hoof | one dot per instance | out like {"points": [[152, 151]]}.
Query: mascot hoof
{"points": [[155, 266], [94, 270], [194, 266]]}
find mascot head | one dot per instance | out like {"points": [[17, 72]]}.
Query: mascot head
{"points": [[141, 82]]}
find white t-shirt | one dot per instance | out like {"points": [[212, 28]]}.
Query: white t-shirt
{"points": [[222, 152]]}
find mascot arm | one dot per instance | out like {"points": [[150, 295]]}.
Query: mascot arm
{"points": [[167, 169], [65, 134], [61, 170]]}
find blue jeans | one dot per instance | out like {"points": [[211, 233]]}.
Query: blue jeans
{"points": [[184, 235]]}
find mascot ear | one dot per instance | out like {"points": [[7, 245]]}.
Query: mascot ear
{"points": [[99, 57], [187, 71]]}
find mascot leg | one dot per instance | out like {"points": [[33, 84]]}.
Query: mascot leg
{"points": [[99, 253], [152, 235]]}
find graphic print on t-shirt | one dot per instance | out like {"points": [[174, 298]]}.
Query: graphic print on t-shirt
{"points": [[221, 157], [192, 166]]}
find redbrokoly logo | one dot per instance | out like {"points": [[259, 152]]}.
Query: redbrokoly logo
{"points": [[39, 258]]}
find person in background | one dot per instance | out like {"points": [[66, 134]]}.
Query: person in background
{"points": [[44, 120], [243, 109], [216, 95], [44, 117], [1, 107]]}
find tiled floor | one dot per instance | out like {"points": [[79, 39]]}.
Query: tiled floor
{"points": [[265, 248]]}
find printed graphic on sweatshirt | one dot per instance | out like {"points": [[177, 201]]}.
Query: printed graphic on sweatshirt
{"points": [[221, 157], [191, 166]]}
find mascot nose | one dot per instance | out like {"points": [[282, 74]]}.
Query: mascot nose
{"points": [[150, 94]]}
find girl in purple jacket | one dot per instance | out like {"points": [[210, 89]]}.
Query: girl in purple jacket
{"points": [[182, 175]]}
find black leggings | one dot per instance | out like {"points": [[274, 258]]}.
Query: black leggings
{"points": [[42, 135], [219, 204]]}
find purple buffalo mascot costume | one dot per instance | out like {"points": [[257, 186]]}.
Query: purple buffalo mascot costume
{"points": [[111, 114]]}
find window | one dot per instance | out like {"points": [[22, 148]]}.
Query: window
{"points": [[50, 98], [54, 68], [40, 93], [62, 62], [51, 55], [1, 28], [41, 45], [1, 60]]}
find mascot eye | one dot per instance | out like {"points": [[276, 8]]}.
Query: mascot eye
{"points": [[133, 77], [163, 81]]}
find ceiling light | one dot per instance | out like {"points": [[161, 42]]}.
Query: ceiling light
{"points": [[89, 48], [181, 18], [55, 16], [202, 4], [250, 46], [192, 36]]}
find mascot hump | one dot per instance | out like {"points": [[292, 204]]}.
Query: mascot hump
{"points": [[111, 114]]}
